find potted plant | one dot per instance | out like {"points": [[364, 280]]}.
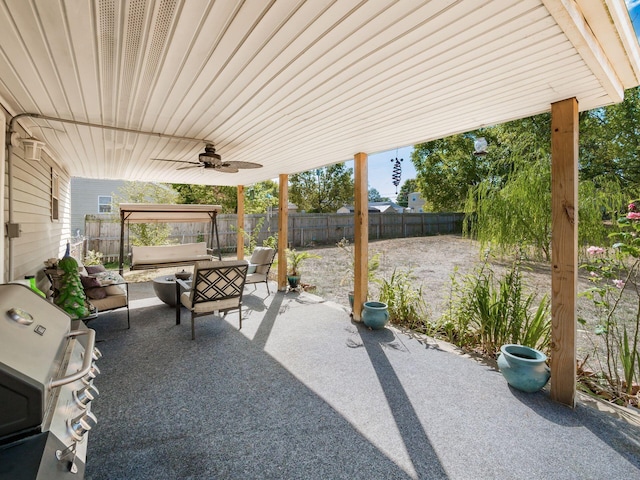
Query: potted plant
{"points": [[294, 259], [347, 278]]}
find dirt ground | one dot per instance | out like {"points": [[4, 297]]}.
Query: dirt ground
{"points": [[431, 260]]}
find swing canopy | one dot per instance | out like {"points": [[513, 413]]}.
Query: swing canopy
{"points": [[169, 213]]}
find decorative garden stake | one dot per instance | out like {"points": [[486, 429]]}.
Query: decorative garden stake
{"points": [[397, 171], [524, 368]]}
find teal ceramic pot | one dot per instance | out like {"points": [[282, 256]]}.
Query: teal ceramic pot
{"points": [[375, 315], [524, 368], [294, 281]]}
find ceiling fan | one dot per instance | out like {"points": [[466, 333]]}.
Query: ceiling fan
{"points": [[210, 159]]}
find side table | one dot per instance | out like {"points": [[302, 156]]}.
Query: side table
{"points": [[165, 288]]}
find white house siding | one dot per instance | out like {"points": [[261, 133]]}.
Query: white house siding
{"points": [[84, 198], [416, 202], [40, 236]]}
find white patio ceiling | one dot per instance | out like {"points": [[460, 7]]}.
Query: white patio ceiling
{"points": [[295, 84]]}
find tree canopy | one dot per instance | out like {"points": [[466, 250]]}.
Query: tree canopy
{"points": [[374, 196], [258, 197], [409, 186], [225, 196], [322, 190], [446, 168], [146, 192]]}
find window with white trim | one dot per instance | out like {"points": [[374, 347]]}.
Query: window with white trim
{"points": [[104, 204], [55, 196]]}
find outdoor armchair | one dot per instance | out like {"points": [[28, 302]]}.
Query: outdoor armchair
{"points": [[216, 286], [259, 266]]}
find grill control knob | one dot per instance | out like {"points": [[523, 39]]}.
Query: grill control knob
{"points": [[93, 373], [84, 396], [97, 354], [80, 425]]}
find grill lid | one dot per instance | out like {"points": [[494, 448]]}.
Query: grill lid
{"points": [[33, 341]]}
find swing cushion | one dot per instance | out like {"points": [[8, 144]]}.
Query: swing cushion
{"points": [[168, 255]]}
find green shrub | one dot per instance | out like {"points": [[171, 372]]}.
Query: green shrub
{"points": [[486, 312], [93, 258], [405, 302]]}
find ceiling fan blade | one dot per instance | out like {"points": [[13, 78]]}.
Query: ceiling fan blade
{"points": [[241, 164], [175, 161], [226, 169], [196, 165]]}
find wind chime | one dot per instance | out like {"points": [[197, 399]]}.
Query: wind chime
{"points": [[397, 171]]}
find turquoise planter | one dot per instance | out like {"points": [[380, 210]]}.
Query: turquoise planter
{"points": [[375, 315], [294, 281], [524, 368]]}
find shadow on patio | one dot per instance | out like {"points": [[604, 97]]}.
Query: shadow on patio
{"points": [[301, 392]]}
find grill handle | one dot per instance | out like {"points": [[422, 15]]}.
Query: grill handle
{"points": [[86, 361]]}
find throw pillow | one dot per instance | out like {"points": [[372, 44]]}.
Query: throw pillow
{"points": [[89, 282], [96, 293], [92, 288], [93, 269], [114, 290]]}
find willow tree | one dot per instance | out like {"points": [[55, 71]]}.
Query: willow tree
{"points": [[517, 213]]}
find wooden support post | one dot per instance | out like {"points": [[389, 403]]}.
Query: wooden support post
{"points": [[564, 249], [240, 246], [283, 230], [361, 236]]}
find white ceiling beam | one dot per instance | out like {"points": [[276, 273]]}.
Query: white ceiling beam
{"points": [[572, 22]]}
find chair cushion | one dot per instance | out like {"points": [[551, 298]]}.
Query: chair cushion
{"points": [[262, 257], [110, 302], [256, 278], [115, 290], [213, 306], [159, 254]]}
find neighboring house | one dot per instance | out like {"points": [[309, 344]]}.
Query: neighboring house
{"points": [[387, 207], [416, 202], [350, 209], [90, 197], [375, 207]]}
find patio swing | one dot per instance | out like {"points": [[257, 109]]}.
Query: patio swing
{"points": [[158, 256]]}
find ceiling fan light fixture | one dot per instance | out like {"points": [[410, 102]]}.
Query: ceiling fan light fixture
{"points": [[209, 154], [209, 159]]}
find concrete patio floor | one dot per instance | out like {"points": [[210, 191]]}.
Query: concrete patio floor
{"points": [[302, 392]]}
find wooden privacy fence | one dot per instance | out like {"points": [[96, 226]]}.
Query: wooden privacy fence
{"points": [[102, 232]]}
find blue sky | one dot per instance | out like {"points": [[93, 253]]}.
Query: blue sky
{"points": [[634, 12], [381, 168]]}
